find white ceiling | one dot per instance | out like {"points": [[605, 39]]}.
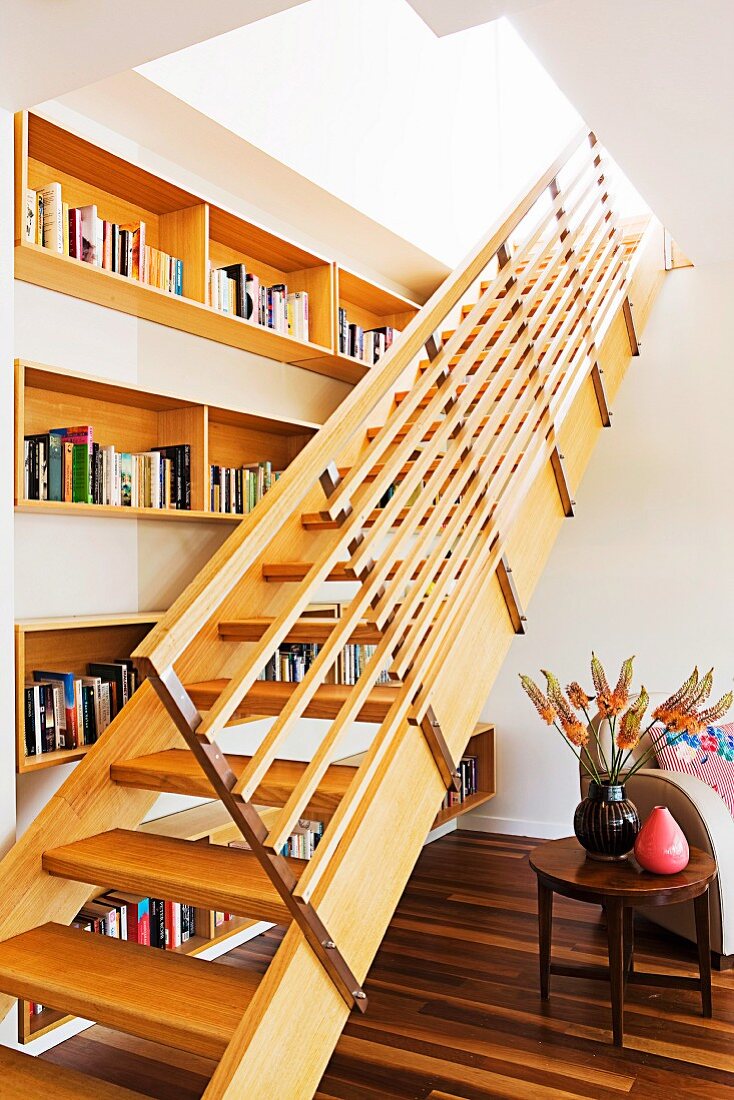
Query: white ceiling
{"points": [[655, 80], [49, 47], [457, 15]]}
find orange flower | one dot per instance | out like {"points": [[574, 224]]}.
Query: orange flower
{"points": [[678, 701], [578, 696], [539, 701], [713, 714], [601, 684], [576, 733], [628, 734], [702, 691], [620, 695]]}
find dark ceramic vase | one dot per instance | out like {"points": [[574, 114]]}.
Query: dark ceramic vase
{"points": [[606, 823]]}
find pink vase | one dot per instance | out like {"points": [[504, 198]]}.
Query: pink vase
{"points": [[660, 846]]}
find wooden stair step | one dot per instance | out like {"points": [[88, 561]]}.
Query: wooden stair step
{"points": [[402, 394], [294, 571], [297, 570], [161, 995], [406, 469], [500, 327], [23, 1077], [429, 432], [321, 521], [211, 876], [315, 630], [176, 771], [266, 698]]}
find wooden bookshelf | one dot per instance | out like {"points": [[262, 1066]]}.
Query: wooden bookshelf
{"points": [[369, 305], [69, 644], [208, 823], [197, 232], [482, 745], [134, 419]]}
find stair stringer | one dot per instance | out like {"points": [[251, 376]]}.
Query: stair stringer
{"points": [[291, 1027]]}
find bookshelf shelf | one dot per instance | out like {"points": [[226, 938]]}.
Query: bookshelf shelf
{"points": [[109, 511], [482, 745], [34, 264], [208, 822], [69, 644], [184, 225], [134, 419], [369, 305]]}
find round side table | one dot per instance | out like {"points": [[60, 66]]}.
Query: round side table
{"points": [[562, 868]]}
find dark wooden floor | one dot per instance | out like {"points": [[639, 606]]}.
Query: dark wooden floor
{"points": [[454, 1007]]}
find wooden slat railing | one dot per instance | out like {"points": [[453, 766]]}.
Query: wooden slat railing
{"points": [[460, 453], [188, 614]]}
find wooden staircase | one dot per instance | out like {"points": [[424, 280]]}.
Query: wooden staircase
{"points": [[437, 490]]}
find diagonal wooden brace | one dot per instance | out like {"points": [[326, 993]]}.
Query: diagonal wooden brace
{"points": [[630, 323], [213, 763], [601, 396], [559, 472], [330, 480], [510, 594], [439, 749]]}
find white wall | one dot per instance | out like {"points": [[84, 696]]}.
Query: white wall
{"points": [[645, 568], [430, 137]]}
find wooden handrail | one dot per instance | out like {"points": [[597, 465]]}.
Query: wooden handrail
{"points": [[188, 614]]}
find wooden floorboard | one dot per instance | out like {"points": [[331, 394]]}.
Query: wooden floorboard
{"points": [[454, 1007]]}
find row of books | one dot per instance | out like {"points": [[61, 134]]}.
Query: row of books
{"points": [[64, 710], [302, 842], [79, 232], [232, 290], [65, 464], [290, 663], [236, 490], [468, 783], [369, 345]]}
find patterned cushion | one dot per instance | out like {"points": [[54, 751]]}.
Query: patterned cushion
{"points": [[708, 755]]}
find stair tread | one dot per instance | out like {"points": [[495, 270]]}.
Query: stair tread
{"points": [[308, 630], [297, 570], [154, 994], [27, 1078], [266, 698], [207, 875], [175, 771]]}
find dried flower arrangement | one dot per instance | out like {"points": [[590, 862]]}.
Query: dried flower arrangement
{"points": [[681, 715]]}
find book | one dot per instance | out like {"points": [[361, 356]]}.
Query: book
{"points": [[75, 233], [137, 915], [88, 216], [116, 673], [53, 218], [29, 224], [32, 720], [68, 724], [157, 923], [39, 218]]}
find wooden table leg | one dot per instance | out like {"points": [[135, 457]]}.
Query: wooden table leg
{"points": [[629, 941], [545, 927], [703, 936], [615, 936]]}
